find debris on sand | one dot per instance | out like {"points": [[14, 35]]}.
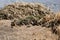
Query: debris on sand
{"points": [[34, 14], [26, 13]]}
